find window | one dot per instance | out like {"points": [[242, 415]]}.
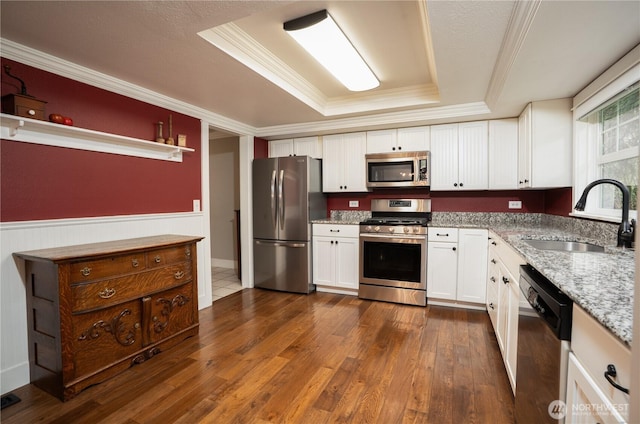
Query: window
{"points": [[607, 145]]}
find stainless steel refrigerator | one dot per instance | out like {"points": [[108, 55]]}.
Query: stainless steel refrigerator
{"points": [[287, 196]]}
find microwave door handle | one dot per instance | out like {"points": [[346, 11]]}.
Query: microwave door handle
{"points": [[274, 201], [281, 198]]}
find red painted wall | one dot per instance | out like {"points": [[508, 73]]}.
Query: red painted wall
{"points": [[260, 148], [45, 182], [556, 201]]}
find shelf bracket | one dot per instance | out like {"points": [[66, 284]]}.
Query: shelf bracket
{"points": [[14, 127]]}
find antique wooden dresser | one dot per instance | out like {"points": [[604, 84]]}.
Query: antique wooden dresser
{"points": [[94, 310]]}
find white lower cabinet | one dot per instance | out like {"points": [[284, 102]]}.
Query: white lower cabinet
{"points": [[456, 265], [503, 300], [336, 257], [590, 397]]}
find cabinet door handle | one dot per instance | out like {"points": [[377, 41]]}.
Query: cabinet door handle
{"points": [[611, 372], [178, 275], [334, 231], [85, 271], [454, 249], [442, 235], [134, 263], [493, 261], [455, 184], [494, 243], [157, 259], [505, 280], [107, 293], [493, 279], [491, 305]]}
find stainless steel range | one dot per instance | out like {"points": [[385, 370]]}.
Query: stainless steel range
{"points": [[393, 251]]}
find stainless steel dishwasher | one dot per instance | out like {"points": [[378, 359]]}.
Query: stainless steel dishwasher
{"points": [[543, 350]]}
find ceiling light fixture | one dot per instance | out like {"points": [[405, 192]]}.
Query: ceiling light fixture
{"points": [[319, 35]]}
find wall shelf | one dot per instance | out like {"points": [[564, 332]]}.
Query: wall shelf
{"points": [[18, 128]]}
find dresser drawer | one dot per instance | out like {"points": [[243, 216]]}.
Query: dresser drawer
{"points": [[167, 256], [101, 294], [108, 267]]}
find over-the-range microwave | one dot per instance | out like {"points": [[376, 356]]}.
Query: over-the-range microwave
{"points": [[401, 169]]}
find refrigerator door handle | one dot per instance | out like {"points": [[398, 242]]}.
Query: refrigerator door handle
{"points": [[281, 199], [274, 209], [281, 243]]}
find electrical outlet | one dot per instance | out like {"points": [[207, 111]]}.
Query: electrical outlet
{"points": [[196, 205], [354, 203], [515, 204]]}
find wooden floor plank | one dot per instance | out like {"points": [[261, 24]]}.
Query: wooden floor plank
{"points": [[269, 357]]}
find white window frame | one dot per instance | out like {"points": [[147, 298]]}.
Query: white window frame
{"points": [[586, 158]]}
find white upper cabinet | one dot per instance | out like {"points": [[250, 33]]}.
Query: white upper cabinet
{"points": [[401, 140], [414, 139], [281, 148], [545, 144], [503, 154], [459, 156], [383, 141], [305, 146], [343, 164]]}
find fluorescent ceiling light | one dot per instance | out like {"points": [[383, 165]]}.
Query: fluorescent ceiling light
{"points": [[319, 35]]}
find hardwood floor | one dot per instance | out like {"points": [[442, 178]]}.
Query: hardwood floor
{"points": [[269, 357]]}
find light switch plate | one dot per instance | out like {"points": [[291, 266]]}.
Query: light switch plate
{"points": [[354, 203], [515, 204]]}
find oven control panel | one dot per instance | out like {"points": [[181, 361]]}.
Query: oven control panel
{"points": [[393, 229]]}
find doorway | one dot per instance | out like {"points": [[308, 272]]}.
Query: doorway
{"points": [[224, 199]]}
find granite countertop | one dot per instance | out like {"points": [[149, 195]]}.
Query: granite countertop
{"points": [[336, 221], [601, 283]]}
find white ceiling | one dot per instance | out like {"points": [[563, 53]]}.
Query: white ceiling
{"points": [[438, 61]]}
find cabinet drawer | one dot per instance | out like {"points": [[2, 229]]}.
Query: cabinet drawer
{"points": [[596, 348], [168, 256], [101, 294], [336, 230], [443, 234], [108, 267], [506, 254]]}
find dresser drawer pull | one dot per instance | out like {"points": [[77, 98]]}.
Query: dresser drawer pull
{"points": [[85, 271], [611, 372], [187, 252], [107, 293], [178, 275], [134, 263], [157, 259]]}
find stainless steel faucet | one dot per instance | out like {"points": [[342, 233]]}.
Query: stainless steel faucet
{"points": [[626, 230]]}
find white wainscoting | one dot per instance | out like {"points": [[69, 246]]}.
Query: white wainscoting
{"points": [[30, 235]]}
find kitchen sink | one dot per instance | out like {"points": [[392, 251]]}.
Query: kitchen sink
{"points": [[564, 246]]}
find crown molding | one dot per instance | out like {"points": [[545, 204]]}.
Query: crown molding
{"points": [[519, 25], [37, 59], [32, 57], [239, 45], [428, 41], [235, 42], [401, 118]]}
